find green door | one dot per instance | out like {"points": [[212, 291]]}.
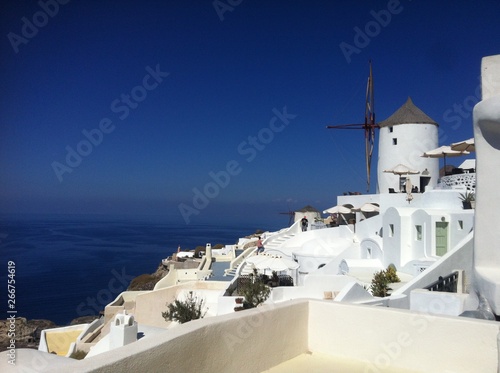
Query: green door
{"points": [[441, 238]]}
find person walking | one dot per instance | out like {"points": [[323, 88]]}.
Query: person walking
{"points": [[260, 246], [304, 223]]}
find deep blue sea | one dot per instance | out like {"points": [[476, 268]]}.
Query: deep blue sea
{"points": [[67, 267]]}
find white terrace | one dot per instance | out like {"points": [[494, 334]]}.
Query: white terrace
{"points": [[319, 336]]}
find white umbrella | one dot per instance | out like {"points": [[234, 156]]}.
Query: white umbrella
{"points": [[368, 207], [408, 187], [443, 152], [339, 209], [277, 263], [402, 169], [466, 145], [255, 259]]}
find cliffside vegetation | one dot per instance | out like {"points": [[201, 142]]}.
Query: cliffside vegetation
{"points": [[186, 310]]}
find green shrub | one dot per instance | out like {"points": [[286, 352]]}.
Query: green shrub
{"points": [[184, 311], [254, 291], [382, 279], [391, 274]]}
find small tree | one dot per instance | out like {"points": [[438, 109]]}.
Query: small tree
{"points": [[184, 311], [391, 274], [382, 279], [254, 291]]}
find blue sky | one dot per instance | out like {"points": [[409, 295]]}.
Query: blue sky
{"points": [[225, 99]]}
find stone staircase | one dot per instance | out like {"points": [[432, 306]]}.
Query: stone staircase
{"points": [[278, 241], [273, 243]]}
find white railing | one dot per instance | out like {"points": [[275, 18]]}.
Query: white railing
{"points": [[294, 229], [239, 259], [459, 180]]}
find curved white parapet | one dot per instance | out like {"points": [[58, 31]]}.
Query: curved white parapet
{"points": [[374, 339], [487, 218]]}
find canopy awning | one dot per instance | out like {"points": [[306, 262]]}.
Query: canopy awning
{"points": [[402, 169], [466, 145], [339, 209], [368, 207]]}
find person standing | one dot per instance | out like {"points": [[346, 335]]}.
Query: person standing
{"points": [[260, 246], [304, 223]]}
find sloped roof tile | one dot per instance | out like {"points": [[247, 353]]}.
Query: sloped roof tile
{"points": [[408, 113]]}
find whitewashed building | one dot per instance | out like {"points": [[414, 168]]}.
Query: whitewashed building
{"points": [[403, 138]]}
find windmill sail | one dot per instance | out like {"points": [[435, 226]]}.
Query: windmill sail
{"points": [[369, 126]]}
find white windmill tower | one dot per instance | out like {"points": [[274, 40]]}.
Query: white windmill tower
{"points": [[403, 138]]}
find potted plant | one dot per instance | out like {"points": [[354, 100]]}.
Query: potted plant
{"points": [[468, 199]]}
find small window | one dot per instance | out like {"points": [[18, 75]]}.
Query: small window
{"points": [[418, 231], [391, 230], [394, 141], [460, 225], [391, 129], [368, 253]]}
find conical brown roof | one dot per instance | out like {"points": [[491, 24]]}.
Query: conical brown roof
{"points": [[408, 113], [308, 208]]}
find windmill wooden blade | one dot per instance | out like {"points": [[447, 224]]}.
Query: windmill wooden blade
{"points": [[369, 126]]}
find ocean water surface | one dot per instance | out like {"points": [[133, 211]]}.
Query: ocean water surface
{"points": [[66, 267]]}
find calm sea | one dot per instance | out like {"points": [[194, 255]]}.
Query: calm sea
{"points": [[66, 267]]}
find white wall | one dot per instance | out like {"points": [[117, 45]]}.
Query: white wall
{"points": [[459, 258], [487, 138], [404, 248], [392, 238], [436, 302], [412, 141], [150, 305], [310, 215], [246, 341], [400, 341]]}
